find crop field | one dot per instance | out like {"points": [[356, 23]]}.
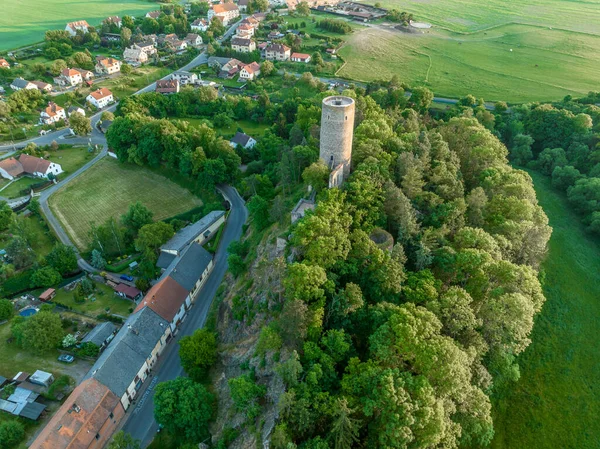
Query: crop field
{"points": [[107, 189], [556, 402], [496, 50], [24, 22]]}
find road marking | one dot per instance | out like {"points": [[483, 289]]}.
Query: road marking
{"points": [[145, 395]]}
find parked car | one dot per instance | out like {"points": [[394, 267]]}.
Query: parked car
{"points": [[126, 277], [66, 358]]}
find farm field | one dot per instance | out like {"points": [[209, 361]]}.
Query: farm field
{"points": [[557, 400], [107, 189], [544, 64], [24, 22]]}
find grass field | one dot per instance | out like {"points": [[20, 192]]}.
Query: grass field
{"points": [[105, 297], [556, 403], [24, 22], [468, 50], [107, 189]]}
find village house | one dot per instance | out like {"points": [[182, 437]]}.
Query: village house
{"points": [[69, 77], [277, 52], [20, 83], [193, 40], [135, 55], [43, 86], [80, 25], [199, 25], [86, 75], [274, 35], [243, 140], [244, 30], [126, 362], [243, 5], [154, 14], [177, 45], [11, 168], [4, 63], [52, 114], [107, 66], [227, 12], [300, 57], [184, 77], [250, 71], [167, 87], [148, 46], [250, 21], [243, 45], [230, 69], [198, 232], [114, 20], [262, 47], [100, 98]]}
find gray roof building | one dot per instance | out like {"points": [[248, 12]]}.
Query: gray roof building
{"points": [[20, 83], [240, 139], [190, 232], [165, 259], [99, 334], [121, 361], [188, 268], [214, 60]]}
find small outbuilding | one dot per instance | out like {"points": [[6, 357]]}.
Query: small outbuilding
{"points": [[41, 378], [48, 295]]}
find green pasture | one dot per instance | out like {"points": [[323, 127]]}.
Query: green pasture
{"points": [[556, 403], [473, 15], [107, 189], [515, 63], [24, 22]]}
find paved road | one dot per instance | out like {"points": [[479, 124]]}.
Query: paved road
{"points": [[139, 420]]}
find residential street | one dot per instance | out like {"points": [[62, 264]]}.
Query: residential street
{"points": [[139, 420]]}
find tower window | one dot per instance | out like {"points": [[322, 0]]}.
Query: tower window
{"points": [[346, 118]]}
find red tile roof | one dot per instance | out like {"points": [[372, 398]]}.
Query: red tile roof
{"points": [[4, 63], [300, 56], [165, 298], [32, 164], [11, 166], [70, 72], [224, 7], [52, 109], [101, 93], [127, 290], [80, 418]]}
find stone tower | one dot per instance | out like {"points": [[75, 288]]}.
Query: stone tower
{"points": [[337, 130]]}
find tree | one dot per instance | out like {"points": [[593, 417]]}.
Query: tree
{"points": [[303, 9], [245, 394], [152, 236], [259, 208], [62, 258], [520, 152], [11, 433], [6, 215], [198, 352], [421, 98], [565, 177], [258, 5], [216, 27], [68, 341], [42, 332], [236, 264], [19, 253], [344, 429], [316, 175], [57, 66], [122, 440], [184, 408], [267, 68], [45, 277], [80, 124], [107, 115], [125, 37], [7, 310], [97, 260], [136, 216], [303, 282]]}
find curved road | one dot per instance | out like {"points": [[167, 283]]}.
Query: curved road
{"points": [[139, 419]]}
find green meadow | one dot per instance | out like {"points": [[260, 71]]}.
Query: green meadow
{"points": [[24, 22], [515, 51], [556, 403]]}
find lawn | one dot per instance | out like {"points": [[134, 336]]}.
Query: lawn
{"points": [[544, 64], [24, 22], [123, 86], [14, 189], [71, 158], [44, 239], [556, 403], [107, 189], [104, 297]]}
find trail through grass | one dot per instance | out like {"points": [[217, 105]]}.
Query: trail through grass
{"points": [[556, 403]]}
